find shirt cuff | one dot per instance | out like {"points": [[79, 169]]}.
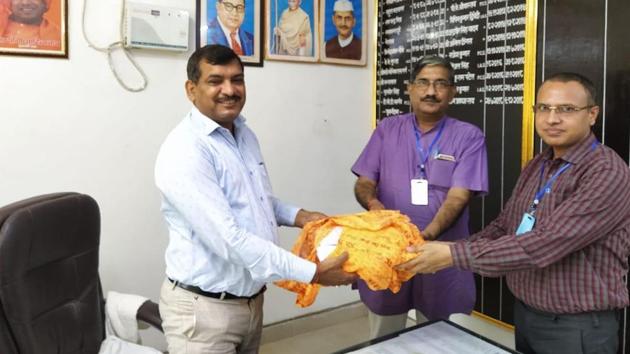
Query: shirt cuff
{"points": [[303, 270], [286, 213], [462, 257]]}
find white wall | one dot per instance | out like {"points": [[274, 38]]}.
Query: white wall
{"points": [[66, 125]]}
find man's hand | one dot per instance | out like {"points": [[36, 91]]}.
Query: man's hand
{"points": [[375, 204], [433, 256], [456, 200], [329, 272], [302, 40], [427, 236], [305, 216], [365, 192]]}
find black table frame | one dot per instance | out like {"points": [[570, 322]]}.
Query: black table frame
{"points": [[396, 334]]}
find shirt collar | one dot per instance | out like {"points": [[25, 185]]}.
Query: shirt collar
{"points": [[345, 42], [206, 125], [227, 33], [576, 153], [444, 119]]}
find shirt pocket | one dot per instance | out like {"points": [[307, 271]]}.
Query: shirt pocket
{"points": [[441, 173]]}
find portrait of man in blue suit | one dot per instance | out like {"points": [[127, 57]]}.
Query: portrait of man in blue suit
{"points": [[226, 28]]}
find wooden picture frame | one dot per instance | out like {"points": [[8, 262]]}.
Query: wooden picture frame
{"points": [[291, 30], [215, 19], [344, 33], [34, 28]]}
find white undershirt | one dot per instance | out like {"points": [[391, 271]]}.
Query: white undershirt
{"points": [[345, 42]]}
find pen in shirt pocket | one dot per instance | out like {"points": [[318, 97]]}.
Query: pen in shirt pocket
{"points": [[445, 157]]}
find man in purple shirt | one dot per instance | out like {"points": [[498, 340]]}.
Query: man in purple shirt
{"points": [[563, 238], [428, 166]]}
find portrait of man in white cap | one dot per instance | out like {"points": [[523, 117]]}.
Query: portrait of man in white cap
{"points": [[346, 44]]}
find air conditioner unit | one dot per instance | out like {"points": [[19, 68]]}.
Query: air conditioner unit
{"points": [[155, 27]]}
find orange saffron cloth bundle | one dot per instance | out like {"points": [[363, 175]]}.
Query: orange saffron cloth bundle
{"points": [[376, 241]]}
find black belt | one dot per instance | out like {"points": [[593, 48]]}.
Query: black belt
{"points": [[221, 296]]}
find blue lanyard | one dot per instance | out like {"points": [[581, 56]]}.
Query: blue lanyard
{"points": [[547, 187], [424, 158]]}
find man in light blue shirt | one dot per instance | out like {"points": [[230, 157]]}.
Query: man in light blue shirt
{"points": [[222, 219]]}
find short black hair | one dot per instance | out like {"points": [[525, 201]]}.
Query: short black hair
{"points": [[214, 54], [433, 60], [588, 85]]}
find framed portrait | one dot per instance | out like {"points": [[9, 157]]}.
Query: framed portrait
{"points": [[233, 23], [291, 32], [34, 27], [343, 24]]}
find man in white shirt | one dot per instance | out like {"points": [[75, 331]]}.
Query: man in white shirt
{"points": [[222, 219]]}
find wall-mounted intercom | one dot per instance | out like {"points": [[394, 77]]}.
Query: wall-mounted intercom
{"points": [[155, 27]]}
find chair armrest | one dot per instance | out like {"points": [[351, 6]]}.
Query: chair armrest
{"points": [[149, 313]]}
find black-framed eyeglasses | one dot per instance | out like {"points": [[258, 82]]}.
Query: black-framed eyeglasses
{"points": [[231, 7], [439, 85], [563, 109]]}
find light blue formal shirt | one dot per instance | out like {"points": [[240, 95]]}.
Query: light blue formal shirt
{"points": [[220, 211]]}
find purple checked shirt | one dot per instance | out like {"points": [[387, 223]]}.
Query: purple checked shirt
{"points": [[392, 159], [576, 257]]}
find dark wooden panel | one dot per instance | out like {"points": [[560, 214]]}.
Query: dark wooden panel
{"points": [[617, 102], [624, 331], [617, 106], [574, 41], [507, 303], [491, 298]]}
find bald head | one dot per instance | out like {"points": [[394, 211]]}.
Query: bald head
{"points": [[29, 12]]}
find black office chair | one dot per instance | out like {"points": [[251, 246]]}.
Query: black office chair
{"points": [[51, 299]]}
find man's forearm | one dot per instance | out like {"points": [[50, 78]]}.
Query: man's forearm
{"points": [[365, 193], [456, 200]]}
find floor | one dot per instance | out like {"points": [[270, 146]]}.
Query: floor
{"points": [[337, 329], [324, 340], [347, 333]]}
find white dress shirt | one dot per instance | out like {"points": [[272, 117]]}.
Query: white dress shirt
{"points": [[227, 32], [220, 211]]}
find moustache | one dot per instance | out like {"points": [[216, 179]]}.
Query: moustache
{"points": [[229, 99], [430, 99]]}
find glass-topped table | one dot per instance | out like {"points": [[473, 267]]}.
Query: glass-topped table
{"points": [[434, 337]]}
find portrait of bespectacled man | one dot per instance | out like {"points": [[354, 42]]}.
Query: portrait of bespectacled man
{"points": [[234, 24]]}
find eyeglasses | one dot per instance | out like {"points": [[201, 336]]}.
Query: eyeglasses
{"points": [[563, 109], [439, 85], [231, 7]]}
